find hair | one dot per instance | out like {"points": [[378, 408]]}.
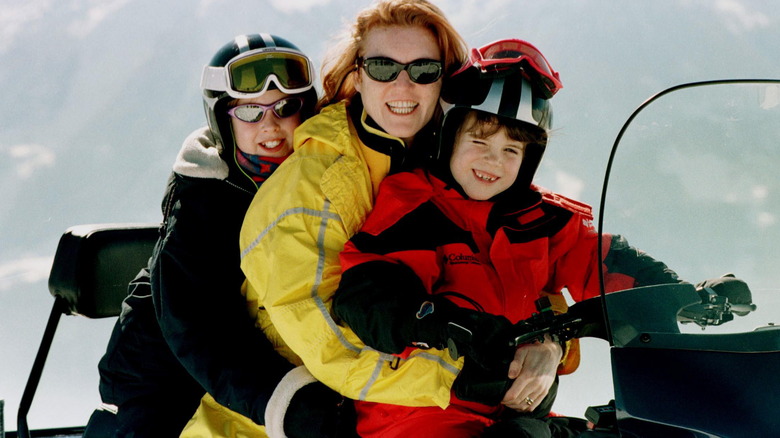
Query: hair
{"points": [[483, 125], [337, 81]]}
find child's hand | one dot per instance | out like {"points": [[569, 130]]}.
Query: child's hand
{"points": [[533, 369]]}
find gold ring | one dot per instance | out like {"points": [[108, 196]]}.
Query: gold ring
{"points": [[529, 401]]}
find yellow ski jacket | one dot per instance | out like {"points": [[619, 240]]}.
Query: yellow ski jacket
{"points": [[293, 232]]}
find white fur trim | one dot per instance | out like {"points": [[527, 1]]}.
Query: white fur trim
{"points": [[199, 157], [294, 380]]}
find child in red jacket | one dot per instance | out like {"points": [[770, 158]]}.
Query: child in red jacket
{"points": [[453, 255]]}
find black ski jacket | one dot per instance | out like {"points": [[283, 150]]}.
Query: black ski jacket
{"points": [[205, 340]]}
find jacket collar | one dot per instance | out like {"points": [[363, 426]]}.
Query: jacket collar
{"points": [[370, 133]]}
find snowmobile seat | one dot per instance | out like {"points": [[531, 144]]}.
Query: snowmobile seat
{"points": [[92, 267]]}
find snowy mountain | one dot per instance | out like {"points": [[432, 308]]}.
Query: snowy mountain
{"points": [[98, 95]]}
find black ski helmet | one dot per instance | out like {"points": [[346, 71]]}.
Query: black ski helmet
{"points": [[247, 67], [510, 79]]}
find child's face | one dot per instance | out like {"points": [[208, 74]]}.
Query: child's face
{"points": [[271, 136], [485, 167]]}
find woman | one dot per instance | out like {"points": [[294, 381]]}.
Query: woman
{"points": [[257, 89], [382, 94]]}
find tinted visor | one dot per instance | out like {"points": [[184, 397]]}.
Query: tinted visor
{"points": [[252, 74]]}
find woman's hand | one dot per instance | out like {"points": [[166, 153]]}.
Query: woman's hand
{"points": [[533, 369]]}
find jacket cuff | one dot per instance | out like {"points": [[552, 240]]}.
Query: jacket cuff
{"points": [[571, 357], [294, 380]]}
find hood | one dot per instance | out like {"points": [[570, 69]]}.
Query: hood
{"points": [[200, 157]]}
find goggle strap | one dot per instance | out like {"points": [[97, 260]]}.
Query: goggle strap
{"points": [[213, 78]]}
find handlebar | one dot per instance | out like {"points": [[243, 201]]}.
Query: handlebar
{"points": [[743, 308], [586, 319], [715, 310], [583, 319]]}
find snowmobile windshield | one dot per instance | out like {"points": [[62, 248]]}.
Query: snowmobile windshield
{"points": [[693, 181]]}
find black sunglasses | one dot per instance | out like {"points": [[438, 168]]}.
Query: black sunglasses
{"points": [[254, 112], [420, 71]]}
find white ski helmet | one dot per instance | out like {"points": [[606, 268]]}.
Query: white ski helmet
{"points": [[247, 67]]}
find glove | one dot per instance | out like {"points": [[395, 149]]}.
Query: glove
{"points": [[482, 337], [477, 384], [302, 407], [317, 411], [728, 286]]}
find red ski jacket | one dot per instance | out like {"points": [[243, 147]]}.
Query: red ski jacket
{"points": [[487, 256]]}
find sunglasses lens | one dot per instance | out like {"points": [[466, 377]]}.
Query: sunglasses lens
{"points": [[251, 74], [253, 112], [288, 107], [424, 72], [248, 113], [387, 70], [382, 70]]}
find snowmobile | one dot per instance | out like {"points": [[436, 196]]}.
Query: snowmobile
{"points": [[691, 179]]}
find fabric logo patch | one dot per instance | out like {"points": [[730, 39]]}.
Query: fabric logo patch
{"points": [[461, 259]]}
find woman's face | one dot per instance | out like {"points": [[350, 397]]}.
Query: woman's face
{"points": [[271, 136], [400, 107]]}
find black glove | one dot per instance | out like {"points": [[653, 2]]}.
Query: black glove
{"points": [[482, 337], [317, 411], [728, 286], [477, 384]]}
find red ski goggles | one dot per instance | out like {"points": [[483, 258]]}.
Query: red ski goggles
{"points": [[250, 74], [508, 54]]}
